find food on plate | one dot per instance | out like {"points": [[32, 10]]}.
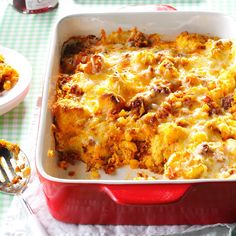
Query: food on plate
{"points": [[8, 76], [14, 148], [130, 98], [19, 167]]}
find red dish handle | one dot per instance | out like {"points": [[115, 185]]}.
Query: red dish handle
{"points": [[149, 7], [147, 194], [162, 7]]}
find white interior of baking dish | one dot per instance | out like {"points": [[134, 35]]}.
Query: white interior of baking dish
{"points": [[165, 23]]}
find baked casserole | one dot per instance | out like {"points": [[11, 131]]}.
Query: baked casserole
{"points": [[129, 98]]}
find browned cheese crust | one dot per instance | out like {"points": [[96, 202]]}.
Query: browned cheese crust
{"points": [[130, 98]]}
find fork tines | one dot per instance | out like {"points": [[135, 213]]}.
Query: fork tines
{"points": [[6, 169], [4, 175]]}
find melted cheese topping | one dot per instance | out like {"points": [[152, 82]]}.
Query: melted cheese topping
{"points": [[133, 99]]}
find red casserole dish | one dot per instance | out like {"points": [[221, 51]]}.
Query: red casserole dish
{"points": [[112, 199]]}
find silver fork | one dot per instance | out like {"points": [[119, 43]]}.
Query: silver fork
{"points": [[14, 179]]}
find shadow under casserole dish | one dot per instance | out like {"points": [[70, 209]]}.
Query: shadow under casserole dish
{"points": [[130, 98]]}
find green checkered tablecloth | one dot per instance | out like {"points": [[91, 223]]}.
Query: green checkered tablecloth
{"points": [[30, 35]]}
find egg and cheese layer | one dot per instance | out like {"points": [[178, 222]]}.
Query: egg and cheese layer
{"points": [[130, 98]]}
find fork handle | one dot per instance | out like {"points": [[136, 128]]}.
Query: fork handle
{"points": [[36, 227]]}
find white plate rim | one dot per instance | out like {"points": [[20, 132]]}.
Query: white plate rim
{"points": [[10, 99]]}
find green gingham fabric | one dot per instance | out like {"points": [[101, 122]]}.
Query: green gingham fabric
{"points": [[30, 35]]}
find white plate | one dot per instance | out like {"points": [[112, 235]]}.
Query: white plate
{"points": [[10, 99]]}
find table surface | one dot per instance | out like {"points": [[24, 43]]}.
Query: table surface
{"points": [[29, 34]]}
